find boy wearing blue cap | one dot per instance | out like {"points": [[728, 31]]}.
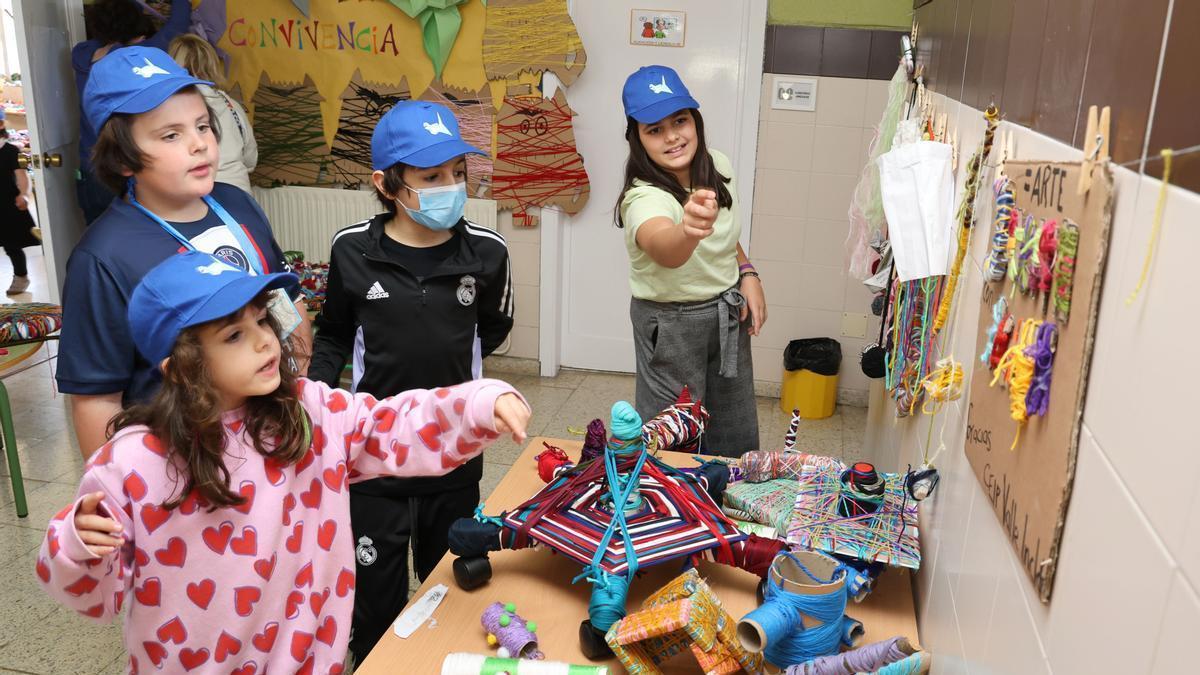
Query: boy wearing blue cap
{"points": [[417, 297], [156, 147], [697, 299]]}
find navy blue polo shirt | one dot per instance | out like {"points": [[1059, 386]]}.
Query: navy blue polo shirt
{"points": [[97, 354]]}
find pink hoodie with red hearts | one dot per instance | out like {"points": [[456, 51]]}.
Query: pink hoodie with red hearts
{"points": [[265, 585]]}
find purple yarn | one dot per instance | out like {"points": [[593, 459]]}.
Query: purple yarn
{"points": [[594, 442], [520, 642], [865, 659], [1037, 401]]}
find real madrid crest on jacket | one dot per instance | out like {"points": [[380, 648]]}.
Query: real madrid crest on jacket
{"points": [[377, 308]]}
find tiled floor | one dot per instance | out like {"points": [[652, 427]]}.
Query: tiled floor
{"points": [[37, 636]]}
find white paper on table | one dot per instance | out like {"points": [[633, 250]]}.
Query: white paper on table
{"points": [[916, 185], [411, 619]]}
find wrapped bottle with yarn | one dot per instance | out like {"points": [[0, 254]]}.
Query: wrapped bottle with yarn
{"points": [[513, 635]]}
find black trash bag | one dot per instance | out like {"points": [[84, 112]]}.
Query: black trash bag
{"points": [[822, 356]]}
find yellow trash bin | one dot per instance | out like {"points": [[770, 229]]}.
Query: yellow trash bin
{"points": [[812, 393]]}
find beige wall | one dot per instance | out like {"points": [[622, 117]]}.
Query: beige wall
{"points": [[808, 165], [1126, 593]]}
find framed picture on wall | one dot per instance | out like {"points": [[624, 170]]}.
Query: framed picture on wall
{"points": [[657, 27]]}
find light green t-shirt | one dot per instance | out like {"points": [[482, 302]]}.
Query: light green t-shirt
{"points": [[713, 266]]}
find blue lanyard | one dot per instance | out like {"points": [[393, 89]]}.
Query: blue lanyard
{"points": [[232, 225]]}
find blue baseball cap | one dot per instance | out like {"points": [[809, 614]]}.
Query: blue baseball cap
{"points": [[418, 133], [132, 80], [187, 290], [652, 93]]}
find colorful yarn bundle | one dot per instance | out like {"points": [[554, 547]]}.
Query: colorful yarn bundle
{"points": [[28, 321], [1047, 247], [944, 383], [1064, 269], [793, 625], [1016, 368], [890, 535], [1042, 352], [514, 635], [764, 465], [460, 663], [998, 311], [1027, 256], [1016, 241], [594, 441], [865, 659], [551, 462], [1003, 336], [680, 427], [314, 279], [966, 214], [769, 502], [912, 339], [997, 263]]}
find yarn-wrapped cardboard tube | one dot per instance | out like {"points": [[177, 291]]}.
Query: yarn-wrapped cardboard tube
{"points": [[786, 573]]}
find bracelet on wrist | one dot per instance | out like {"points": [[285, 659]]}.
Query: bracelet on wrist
{"points": [[745, 266], [751, 273]]}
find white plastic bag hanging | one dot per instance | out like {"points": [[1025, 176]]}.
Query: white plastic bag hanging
{"points": [[916, 185]]}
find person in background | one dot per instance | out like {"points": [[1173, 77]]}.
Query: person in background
{"points": [[16, 225], [112, 24], [697, 299], [417, 295], [157, 149], [238, 151]]}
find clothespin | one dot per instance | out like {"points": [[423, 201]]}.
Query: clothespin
{"points": [[952, 139], [1095, 148]]}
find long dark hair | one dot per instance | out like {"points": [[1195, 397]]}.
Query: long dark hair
{"points": [[185, 417], [639, 166]]}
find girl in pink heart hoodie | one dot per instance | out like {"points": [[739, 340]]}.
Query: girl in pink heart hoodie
{"points": [[218, 514]]}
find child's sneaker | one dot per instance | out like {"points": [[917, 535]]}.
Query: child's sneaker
{"points": [[19, 285]]}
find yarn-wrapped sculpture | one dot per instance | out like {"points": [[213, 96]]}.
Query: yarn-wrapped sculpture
{"points": [[614, 516]]}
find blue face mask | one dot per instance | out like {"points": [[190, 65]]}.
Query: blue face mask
{"points": [[441, 207]]}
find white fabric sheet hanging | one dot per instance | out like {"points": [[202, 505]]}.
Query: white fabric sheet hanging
{"points": [[917, 188]]}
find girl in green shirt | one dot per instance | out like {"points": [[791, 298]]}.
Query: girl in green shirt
{"points": [[697, 300]]}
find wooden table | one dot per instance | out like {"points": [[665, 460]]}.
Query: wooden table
{"points": [[540, 585]]}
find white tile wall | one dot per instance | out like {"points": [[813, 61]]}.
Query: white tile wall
{"points": [[808, 165], [1125, 598], [524, 251]]}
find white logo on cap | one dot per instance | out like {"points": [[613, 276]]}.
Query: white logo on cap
{"points": [[215, 268], [662, 87], [438, 128], [148, 70]]}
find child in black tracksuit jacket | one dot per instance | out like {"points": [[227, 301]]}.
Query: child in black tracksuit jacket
{"points": [[417, 296]]}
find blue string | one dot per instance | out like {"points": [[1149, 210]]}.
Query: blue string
{"points": [[788, 642], [607, 604], [907, 666], [480, 517]]}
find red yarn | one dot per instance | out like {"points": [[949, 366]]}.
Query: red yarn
{"points": [[755, 554], [998, 348], [549, 461]]}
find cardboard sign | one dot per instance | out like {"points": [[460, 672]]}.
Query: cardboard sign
{"points": [[531, 36], [537, 163], [1029, 487]]}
